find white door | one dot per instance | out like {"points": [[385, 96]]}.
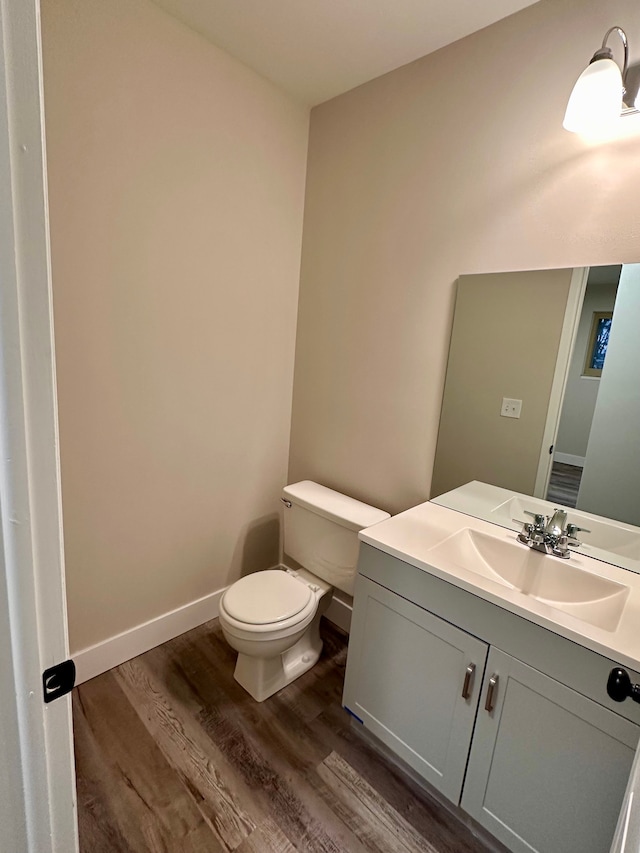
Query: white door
{"points": [[37, 786], [627, 837], [572, 313]]}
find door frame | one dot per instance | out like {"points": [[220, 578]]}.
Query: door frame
{"points": [[570, 324], [37, 742]]}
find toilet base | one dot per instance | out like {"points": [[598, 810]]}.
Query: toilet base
{"points": [[262, 677]]}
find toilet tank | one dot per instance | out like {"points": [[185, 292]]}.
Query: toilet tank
{"points": [[321, 531]]}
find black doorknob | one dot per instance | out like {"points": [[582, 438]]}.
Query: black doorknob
{"points": [[619, 686]]}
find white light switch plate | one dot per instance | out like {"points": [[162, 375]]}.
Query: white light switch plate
{"points": [[510, 408]]}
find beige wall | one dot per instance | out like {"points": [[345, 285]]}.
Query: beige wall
{"points": [[176, 187], [504, 343], [457, 163]]}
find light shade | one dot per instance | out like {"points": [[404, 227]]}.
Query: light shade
{"points": [[596, 100]]}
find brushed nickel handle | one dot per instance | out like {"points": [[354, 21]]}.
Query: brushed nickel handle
{"points": [[493, 683], [468, 675]]}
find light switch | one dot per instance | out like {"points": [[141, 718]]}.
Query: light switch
{"points": [[510, 408]]}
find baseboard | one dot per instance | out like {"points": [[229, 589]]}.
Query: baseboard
{"points": [[569, 459], [103, 656], [97, 659], [339, 612]]}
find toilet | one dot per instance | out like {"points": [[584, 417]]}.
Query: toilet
{"points": [[272, 618]]}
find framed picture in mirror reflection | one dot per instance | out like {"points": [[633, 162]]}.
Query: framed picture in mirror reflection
{"points": [[598, 342]]}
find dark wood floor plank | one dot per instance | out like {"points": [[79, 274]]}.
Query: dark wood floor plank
{"points": [[438, 825], [278, 725], [230, 717], [283, 791], [286, 774], [189, 751], [152, 809], [97, 825], [267, 838], [275, 724], [381, 827], [564, 484], [257, 743]]}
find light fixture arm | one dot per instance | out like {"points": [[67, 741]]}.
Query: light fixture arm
{"points": [[605, 50]]}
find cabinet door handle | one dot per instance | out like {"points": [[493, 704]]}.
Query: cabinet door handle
{"points": [[493, 683], [468, 676]]}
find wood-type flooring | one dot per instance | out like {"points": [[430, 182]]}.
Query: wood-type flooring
{"points": [[564, 484], [173, 756]]}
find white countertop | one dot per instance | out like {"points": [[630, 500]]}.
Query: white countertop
{"points": [[413, 534], [607, 539]]}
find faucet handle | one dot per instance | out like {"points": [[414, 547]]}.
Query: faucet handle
{"points": [[572, 529], [526, 534], [539, 520], [571, 534]]}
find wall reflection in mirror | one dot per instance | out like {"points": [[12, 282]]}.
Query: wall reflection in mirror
{"points": [[542, 399]]}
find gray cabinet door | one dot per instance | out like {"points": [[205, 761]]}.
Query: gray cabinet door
{"points": [[405, 677], [548, 767]]}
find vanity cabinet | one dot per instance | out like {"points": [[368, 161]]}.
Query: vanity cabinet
{"points": [[418, 685], [530, 751], [548, 767]]}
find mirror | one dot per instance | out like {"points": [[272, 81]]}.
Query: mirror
{"points": [[540, 404]]}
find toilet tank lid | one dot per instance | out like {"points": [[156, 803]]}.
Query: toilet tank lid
{"points": [[333, 505]]}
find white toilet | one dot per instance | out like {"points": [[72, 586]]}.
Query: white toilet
{"points": [[272, 618]]}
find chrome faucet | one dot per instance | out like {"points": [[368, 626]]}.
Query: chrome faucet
{"points": [[556, 524], [550, 534]]}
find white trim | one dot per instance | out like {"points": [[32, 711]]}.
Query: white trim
{"points": [[569, 459], [34, 610], [568, 335], [109, 653], [103, 656], [339, 612]]}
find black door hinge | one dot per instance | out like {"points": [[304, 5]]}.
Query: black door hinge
{"points": [[58, 680]]}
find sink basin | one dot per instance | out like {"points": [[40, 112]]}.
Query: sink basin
{"points": [[606, 534], [550, 580]]}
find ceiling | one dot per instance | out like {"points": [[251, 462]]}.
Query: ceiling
{"points": [[317, 49]]}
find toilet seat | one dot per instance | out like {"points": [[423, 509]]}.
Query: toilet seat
{"points": [[270, 596], [268, 601]]}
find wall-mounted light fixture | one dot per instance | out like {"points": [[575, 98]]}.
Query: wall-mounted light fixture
{"points": [[603, 92]]}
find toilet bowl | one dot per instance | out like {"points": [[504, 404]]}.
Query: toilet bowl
{"points": [[272, 618]]}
